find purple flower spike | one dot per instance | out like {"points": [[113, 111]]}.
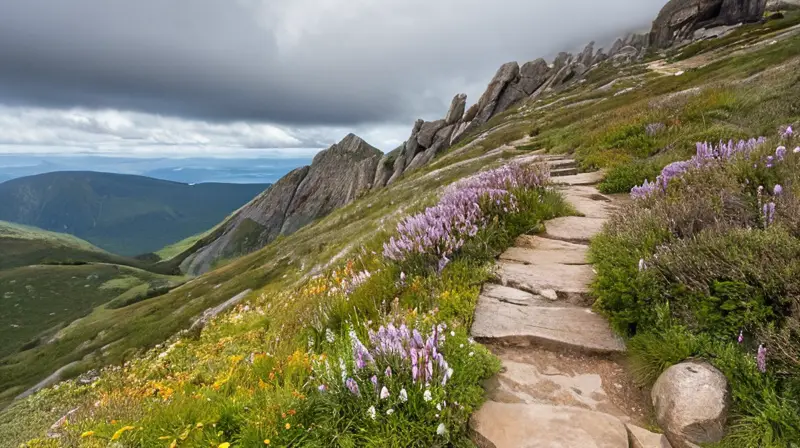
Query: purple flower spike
{"points": [[374, 381], [388, 372], [761, 359], [741, 336], [777, 190], [780, 152], [352, 386]]}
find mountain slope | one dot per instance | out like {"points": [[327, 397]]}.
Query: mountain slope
{"points": [[124, 214], [336, 177], [607, 121]]}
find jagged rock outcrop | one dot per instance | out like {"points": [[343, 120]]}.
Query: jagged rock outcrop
{"points": [[679, 19], [782, 5], [336, 177]]}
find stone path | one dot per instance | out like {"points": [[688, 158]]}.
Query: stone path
{"points": [[562, 384]]}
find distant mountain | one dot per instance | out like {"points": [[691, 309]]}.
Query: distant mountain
{"points": [[337, 176], [123, 214]]}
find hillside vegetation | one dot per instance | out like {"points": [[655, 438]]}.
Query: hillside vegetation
{"points": [[123, 214], [353, 331]]}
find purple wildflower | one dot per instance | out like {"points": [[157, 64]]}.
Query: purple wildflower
{"points": [[388, 372], [777, 190], [769, 213], [322, 388], [780, 152], [352, 386], [796, 150], [740, 339], [787, 132], [706, 154], [761, 359]]}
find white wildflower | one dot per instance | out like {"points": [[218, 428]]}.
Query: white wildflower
{"points": [[427, 395], [390, 412], [329, 336], [371, 412], [441, 429], [384, 393], [403, 395]]}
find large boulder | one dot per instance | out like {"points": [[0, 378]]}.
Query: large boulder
{"points": [[427, 133], [336, 177], [691, 402], [782, 5], [679, 19], [456, 110], [587, 55], [487, 104]]}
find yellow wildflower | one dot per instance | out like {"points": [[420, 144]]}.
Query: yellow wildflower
{"points": [[224, 445], [87, 434], [266, 441], [288, 426], [120, 431]]}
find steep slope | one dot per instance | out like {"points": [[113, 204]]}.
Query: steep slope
{"points": [[124, 214], [294, 286], [336, 177]]}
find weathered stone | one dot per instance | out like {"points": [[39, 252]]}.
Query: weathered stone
{"points": [[545, 380], [581, 179], [363, 175], [470, 114], [587, 55], [571, 282], [399, 167], [510, 96], [574, 229], [679, 19], [330, 182], [601, 56], [427, 132], [383, 172], [488, 102], [510, 295], [535, 250], [589, 202], [263, 218], [691, 403], [532, 75], [443, 136], [618, 44], [516, 425], [642, 438], [782, 5], [543, 324], [458, 132], [561, 61], [456, 110]]}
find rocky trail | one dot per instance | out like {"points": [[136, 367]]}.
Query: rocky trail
{"points": [[563, 383]]}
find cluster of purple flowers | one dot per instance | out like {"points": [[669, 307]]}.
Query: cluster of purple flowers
{"points": [[408, 351], [441, 230], [706, 155]]}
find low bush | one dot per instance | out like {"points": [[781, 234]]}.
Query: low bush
{"points": [[704, 263]]}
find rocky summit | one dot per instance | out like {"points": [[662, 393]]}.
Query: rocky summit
{"points": [[336, 177], [680, 19]]}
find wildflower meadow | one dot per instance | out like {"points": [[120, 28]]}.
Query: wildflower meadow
{"points": [[704, 263], [374, 351]]}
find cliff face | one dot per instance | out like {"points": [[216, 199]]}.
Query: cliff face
{"points": [[336, 177], [679, 19]]}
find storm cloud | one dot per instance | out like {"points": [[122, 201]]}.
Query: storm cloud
{"points": [[296, 69]]}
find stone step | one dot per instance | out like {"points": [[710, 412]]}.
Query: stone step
{"points": [[589, 202], [563, 172], [558, 328], [535, 375], [562, 163], [534, 250], [580, 179], [642, 438], [573, 229], [516, 425], [569, 282]]}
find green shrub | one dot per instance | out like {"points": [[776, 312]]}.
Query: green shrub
{"points": [[621, 178]]}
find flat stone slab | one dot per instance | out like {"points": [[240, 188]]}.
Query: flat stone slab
{"points": [[642, 438], [569, 281], [580, 179], [506, 425], [569, 328], [510, 295], [562, 163], [573, 229], [589, 202], [563, 172], [534, 250]]}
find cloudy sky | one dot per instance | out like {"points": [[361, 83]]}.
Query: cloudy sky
{"points": [[266, 78]]}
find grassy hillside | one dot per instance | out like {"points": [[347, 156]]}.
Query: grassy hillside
{"points": [[254, 375], [123, 214]]}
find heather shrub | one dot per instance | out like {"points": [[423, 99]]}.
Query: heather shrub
{"points": [[704, 263], [622, 177]]}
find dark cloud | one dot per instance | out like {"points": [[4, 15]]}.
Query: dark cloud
{"points": [[293, 62]]}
